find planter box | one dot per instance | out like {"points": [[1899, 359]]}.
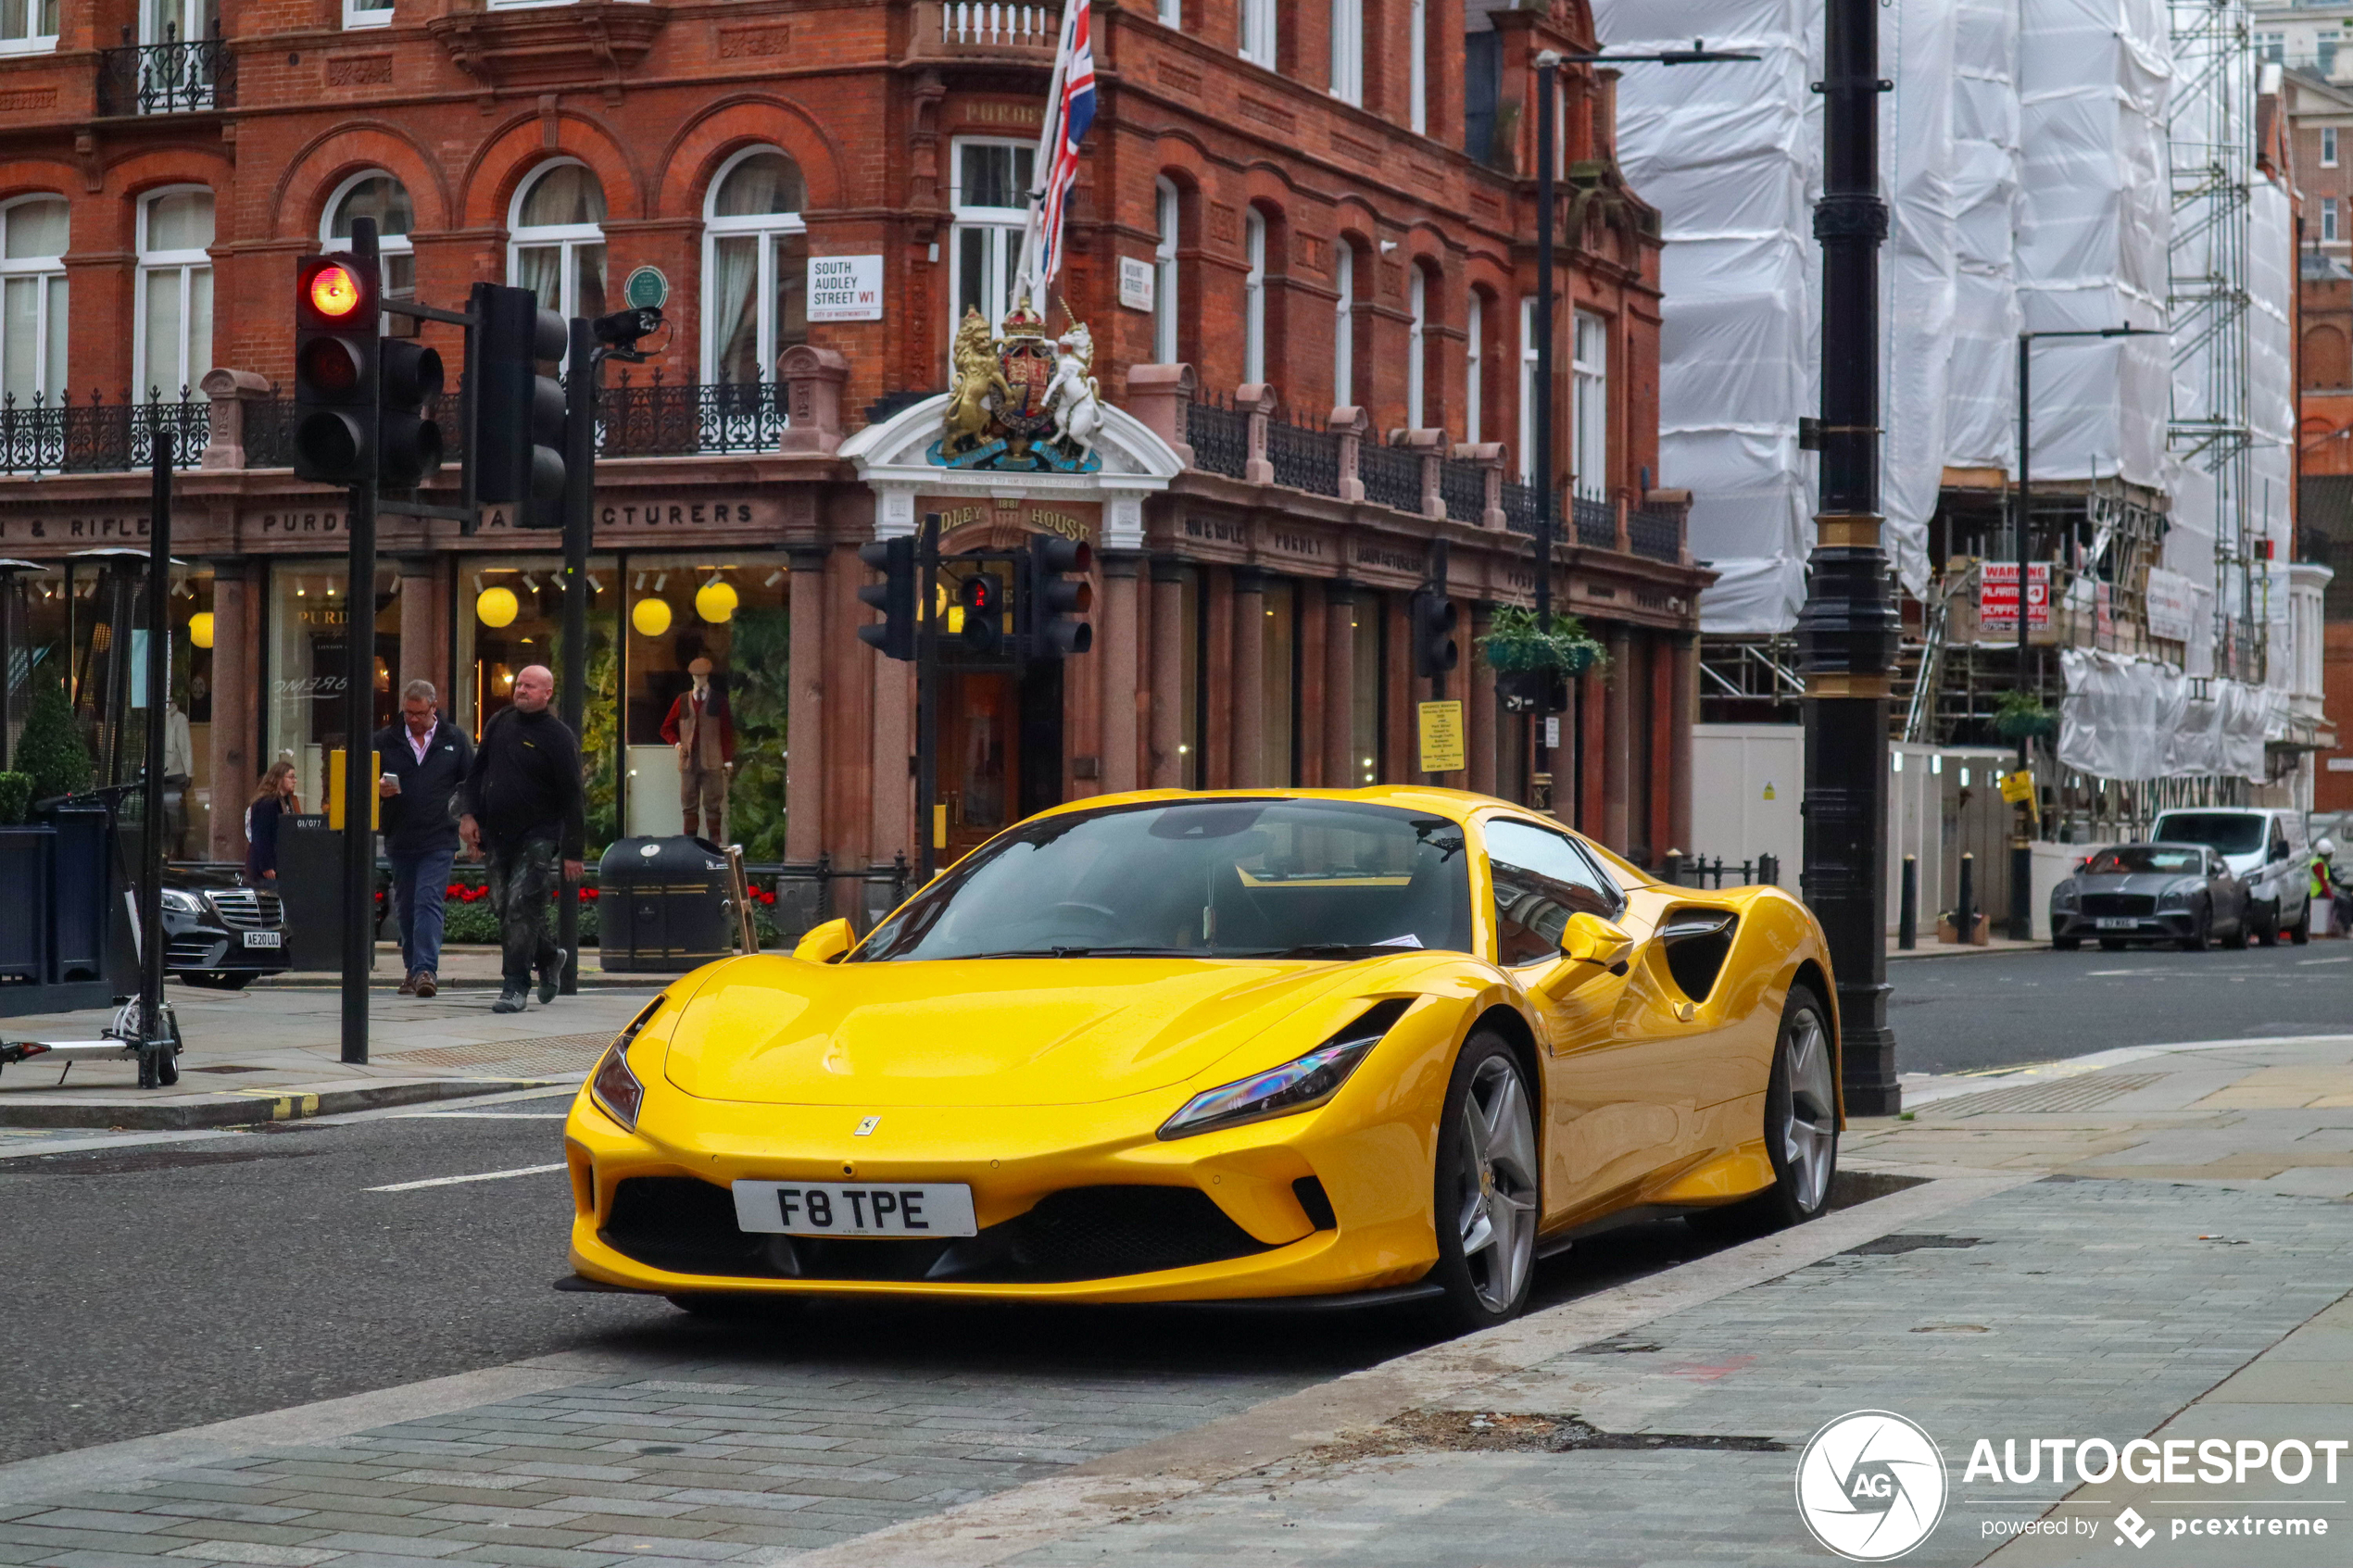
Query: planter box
{"points": [[54, 914]]}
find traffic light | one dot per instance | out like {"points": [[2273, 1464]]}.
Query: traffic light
{"points": [[980, 628], [894, 595], [1049, 604], [518, 432], [409, 444], [1434, 618], [336, 308]]}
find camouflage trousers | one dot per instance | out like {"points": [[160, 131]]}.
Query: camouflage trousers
{"points": [[524, 878]]}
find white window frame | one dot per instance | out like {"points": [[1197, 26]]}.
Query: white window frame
{"points": [[1258, 37], [1416, 341], [357, 16], [1005, 224], [1254, 297], [2328, 219], [567, 237], [182, 266], [48, 272], [1348, 51], [33, 42], [386, 244], [1167, 209], [769, 228], [1418, 68], [173, 21], [2328, 146], [1172, 13], [1474, 366], [1344, 325], [1589, 432], [1527, 367]]}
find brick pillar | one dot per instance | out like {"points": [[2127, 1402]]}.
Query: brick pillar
{"points": [[804, 707], [1617, 741], [236, 691], [1170, 636], [1684, 711], [1122, 672], [1398, 748], [813, 379], [1216, 737], [1478, 698], [423, 652], [1342, 768], [1250, 678]]}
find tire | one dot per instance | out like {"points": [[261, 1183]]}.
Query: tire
{"points": [[2201, 930], [1801, 1129], [168, 1066], [2267, 925], [2236, 941], [2112, 944], [217, 979], [2301, 932], [1486, 1199], [2065, 944]]}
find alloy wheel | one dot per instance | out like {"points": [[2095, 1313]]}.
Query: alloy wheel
{"points": [[1497, 1187], [1809, 1131]]}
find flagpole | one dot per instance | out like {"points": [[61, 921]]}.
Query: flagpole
{"points": [[1049, 136]]}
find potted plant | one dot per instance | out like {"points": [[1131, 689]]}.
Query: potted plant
{"points": [[1531, 662], [2022, 716]]}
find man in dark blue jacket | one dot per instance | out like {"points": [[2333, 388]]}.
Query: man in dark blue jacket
{"points": [[425, 760]]}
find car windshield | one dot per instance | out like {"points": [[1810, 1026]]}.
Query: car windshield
{"points": [[2234, 833], [2132, 858], [1216, 878]]}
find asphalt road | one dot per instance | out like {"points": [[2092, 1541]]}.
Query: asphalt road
{"points": [[2000, 1009]]}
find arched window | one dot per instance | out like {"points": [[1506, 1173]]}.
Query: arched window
{"points": [[755, 267], [1475, 367], [33, 297], [381, 196], [1254, 298], [1416, 341], [1348, 51], [1344, 323], [174, 321], [555, 245], [990, 203], [1164, 201]]}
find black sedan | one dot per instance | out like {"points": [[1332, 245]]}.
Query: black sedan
{"points": [[217, 932], [2180, 893]]}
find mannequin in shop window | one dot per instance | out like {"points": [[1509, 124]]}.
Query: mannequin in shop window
{"points": [[702, 730]]}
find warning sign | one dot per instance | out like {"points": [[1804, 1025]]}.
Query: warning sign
{"points": [[1998, 596], [1443, 750]]}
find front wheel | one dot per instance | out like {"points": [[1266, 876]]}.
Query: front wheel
{"points": [[2201, 928], [1800, 1127], [1485, 1202], [2267, 924], [2301, 932]]}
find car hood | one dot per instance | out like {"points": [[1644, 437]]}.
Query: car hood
{"points": [[2151, 883], [993, 1032]]}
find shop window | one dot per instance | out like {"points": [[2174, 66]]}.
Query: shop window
{"points": [[174, 308], [381, 196], [28, 27], [990, 207], [310, 627], [732, 608], [509, 616], [556, 239], [32, 299], [755, 268]]}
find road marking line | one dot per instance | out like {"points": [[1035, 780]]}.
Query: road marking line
{"points": [[2306, 963], [481, 1115], [452, 1181]]}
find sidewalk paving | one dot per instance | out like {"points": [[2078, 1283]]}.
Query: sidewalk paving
{"points": [[2154, 1245], [260, 1054]]}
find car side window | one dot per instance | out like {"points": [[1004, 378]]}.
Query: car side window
{"points": [[1541, 878], [2277, 848]]}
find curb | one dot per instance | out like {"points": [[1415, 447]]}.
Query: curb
{"points": [[134, 1116], [323, 980]]}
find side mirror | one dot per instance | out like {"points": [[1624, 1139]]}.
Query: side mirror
{"points": [[825, 943], [1593, 948]]}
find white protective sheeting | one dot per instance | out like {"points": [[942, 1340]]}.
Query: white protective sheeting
{"points": [[1731, 156], [1917, 272], [1980, 429], [2093, 76], [2134, 718]]}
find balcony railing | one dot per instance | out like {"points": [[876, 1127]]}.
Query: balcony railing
{"points": [[1655, 532], [1596, 523], [175, 76], [1463, 486], [1393, 476], [1219, 435], [38, 437], [692, 417], [1034, 26], [1305, 456]]}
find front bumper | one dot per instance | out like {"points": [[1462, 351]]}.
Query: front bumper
{"points": [[197, 943], [1076, 1203], [2165, 926]]}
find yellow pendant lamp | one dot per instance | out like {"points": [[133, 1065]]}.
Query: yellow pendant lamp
{"points": [[651, 616], [496, 607]]}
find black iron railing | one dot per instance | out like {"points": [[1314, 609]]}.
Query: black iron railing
{"points": [[268, 427], [39, 436], [658, 421], [1304, 456], [1463, 486], [1519, 508], [1596, 523], [173, 77], [1219, 435], [1393, 476], [1658, 534]]}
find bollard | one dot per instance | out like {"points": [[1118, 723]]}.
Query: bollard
{"points": [[1768, 870], [1965, 911], [1674, 874], [1907, 912]]}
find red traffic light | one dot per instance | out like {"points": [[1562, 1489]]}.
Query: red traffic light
{"points": [[334, 292]]}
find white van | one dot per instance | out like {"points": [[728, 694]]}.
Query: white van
{"points": [[2266, 850]]}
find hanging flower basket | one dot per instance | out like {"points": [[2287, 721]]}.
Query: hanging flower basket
{"points": [[2021, 716], [1517, 645]]}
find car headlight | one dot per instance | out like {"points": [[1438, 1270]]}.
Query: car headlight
{"points": [[1299, 1085], [614, 1088], [185, 903], [2063, 893], [2175, 898]]}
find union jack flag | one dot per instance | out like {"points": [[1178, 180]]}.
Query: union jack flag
{"points": [[1073, 111]]}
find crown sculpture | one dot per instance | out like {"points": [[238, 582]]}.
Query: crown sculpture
{"points": [[1021, 403]]}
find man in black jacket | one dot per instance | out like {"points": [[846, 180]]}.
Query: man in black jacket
{"points": [[524, 807], [424, 761]]}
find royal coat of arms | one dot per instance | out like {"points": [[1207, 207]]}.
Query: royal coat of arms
{"points": [[1021, 402]]}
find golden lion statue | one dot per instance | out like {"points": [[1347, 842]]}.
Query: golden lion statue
{"points": [[978, 378]]}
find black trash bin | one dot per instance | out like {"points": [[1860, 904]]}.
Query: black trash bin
{"points": [[663, 906]]}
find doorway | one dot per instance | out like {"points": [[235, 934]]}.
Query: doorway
{"points": [[1001, 749]]}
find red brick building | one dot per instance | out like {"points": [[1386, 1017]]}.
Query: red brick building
{"points": [[1303, 239]]}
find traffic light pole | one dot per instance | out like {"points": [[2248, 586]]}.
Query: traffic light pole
{"points": [[359, 718], [928, 693], [151, 823], [580, 521]]}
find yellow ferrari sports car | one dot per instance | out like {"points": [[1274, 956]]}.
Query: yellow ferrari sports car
{"points": [[1332, 1047]]}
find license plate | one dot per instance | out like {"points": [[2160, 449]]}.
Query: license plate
{"points": [[2119, 923], [855, 1208], [263, 939]]}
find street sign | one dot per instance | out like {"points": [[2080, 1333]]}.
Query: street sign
{"points": [[845, 288], [1136, 283], [2017, 787], [647, 289], [1997, 598], [1442, 746]]}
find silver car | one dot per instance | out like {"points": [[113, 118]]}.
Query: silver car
{"points": [[2180, 893]]}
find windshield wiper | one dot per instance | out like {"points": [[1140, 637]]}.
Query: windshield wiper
{"points": [[1327, 951]]}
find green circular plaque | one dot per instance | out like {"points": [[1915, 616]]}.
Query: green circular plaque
{"points": [[647, 289]]}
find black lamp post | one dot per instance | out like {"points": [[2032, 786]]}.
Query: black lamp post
{"points": [[1847, 629], [2021, 839]]}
